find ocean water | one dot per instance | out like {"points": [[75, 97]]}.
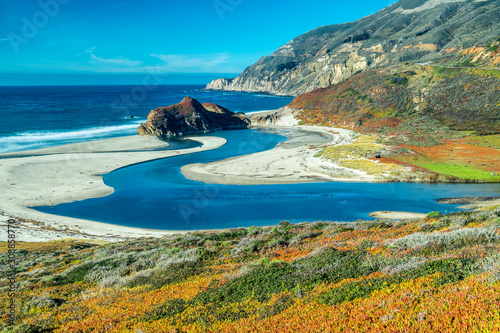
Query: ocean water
{"points": [[41, 116]]}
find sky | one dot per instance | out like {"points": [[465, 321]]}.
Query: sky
{"points": [[50, 42]]}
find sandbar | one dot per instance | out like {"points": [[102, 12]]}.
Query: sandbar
{"points": [[73, 172], [289, 162]]}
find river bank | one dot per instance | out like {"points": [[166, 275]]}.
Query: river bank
{"points": [[63, 174]]}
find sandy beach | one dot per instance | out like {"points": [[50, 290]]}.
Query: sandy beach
{"points": [[292, 161], [73, 172], [120, 144], [397, 215]]}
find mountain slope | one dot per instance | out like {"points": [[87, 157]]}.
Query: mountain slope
{"points": [[436, 120], [445, 31], [382, 99]]}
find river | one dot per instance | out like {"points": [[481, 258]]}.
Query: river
{"points": [[156, 195]]}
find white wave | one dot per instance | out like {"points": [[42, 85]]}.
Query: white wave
{"points": [[39, 139]]}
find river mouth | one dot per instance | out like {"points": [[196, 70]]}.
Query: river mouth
{"points": [[155, 195]]}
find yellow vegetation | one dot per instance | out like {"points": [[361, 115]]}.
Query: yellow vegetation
{"points": [[372, 168], [354, 156]]}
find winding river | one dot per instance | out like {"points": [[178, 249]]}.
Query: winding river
{"points": [[155, 195]]}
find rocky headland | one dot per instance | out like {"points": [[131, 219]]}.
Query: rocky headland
{"points": [[444, 32], [190, 116]]}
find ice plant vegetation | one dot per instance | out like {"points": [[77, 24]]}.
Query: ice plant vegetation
{"points": [[439, 273]]}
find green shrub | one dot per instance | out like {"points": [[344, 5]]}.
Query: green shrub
{"points": [[281, 304], [454, 270], [433, 214]]}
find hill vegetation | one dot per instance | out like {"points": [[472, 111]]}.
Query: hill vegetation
{"points": [[441, 121], [440, 273]]}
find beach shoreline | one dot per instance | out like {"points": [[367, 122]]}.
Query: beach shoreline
{"points": [[73, 172], [290, 162]]}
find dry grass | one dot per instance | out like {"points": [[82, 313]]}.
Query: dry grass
{"points": [[363, 147], [356, 156], [52, 246], [491, 141], [373, 168]]}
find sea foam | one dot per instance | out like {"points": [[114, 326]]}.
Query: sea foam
{"points": [[39, 139]]}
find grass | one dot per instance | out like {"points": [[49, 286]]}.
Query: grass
{"points": [[474, 157], [373, 168], [492, 141], [461, 171], [51, 246], [363, 147], [485, 72], [355, 156], [444, 72]]}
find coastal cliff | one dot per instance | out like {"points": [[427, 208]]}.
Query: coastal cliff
{"points": [[447, 32], [282, 117], [189, 116]]}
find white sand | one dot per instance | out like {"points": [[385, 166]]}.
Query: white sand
{"points": [[124, 143], [481, 204], [71, 173], [398, 215], [291, 162]]}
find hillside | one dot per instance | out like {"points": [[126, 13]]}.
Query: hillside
{"points": [[440, 273], [441, 122], [447, 32], [386, 99]]}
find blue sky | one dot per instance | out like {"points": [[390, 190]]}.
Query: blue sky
{"points": [[118, 41]]}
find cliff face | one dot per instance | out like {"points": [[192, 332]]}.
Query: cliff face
{"points": [[189, 116], [445, 31]]}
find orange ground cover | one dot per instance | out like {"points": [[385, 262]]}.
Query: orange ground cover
{"points": [[462, 152]]}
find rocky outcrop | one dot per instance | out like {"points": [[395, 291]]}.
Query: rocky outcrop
{"points": [[282, 117], [190, 116], [219, 84], [406, 31]]}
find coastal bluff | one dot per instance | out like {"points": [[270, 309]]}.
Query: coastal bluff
{"points": [[190, 116]]}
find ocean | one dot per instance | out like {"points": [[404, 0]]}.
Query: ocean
{"points": [[41, 116]]}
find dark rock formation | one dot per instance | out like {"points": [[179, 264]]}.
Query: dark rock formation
{"points": [[189, 116]]}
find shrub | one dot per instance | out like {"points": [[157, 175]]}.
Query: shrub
{"points": [[492, 265], [406, 265], [456, 238], [175, 257], [281, 304], [433, 214], [168, 309]]}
